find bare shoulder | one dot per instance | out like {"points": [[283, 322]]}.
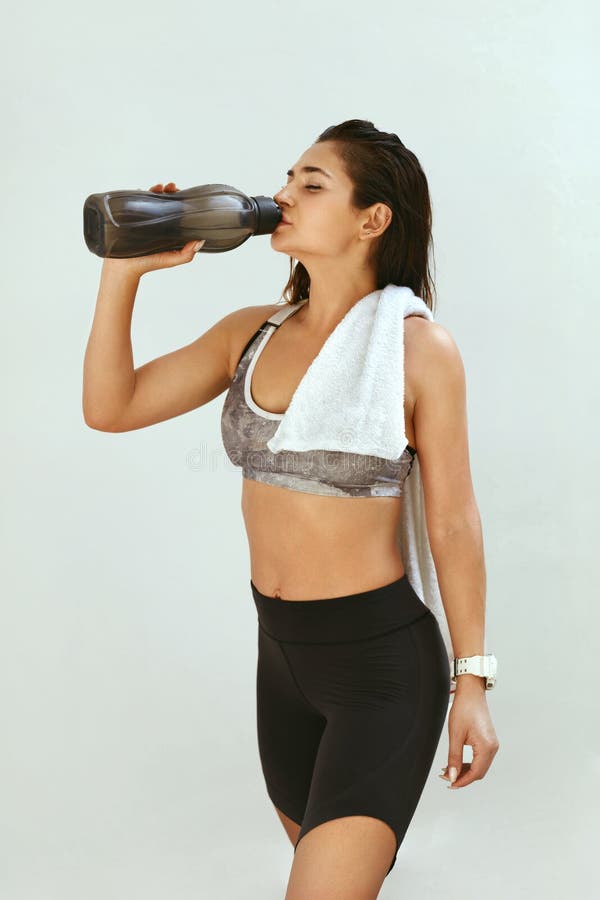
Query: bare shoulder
{"points": [[440, 426], [431, 354], [241, 324]]}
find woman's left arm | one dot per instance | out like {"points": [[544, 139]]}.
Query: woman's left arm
{"points": [[455, 533]]}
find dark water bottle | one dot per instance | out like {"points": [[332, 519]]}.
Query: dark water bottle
{"points": [[125, 224]]}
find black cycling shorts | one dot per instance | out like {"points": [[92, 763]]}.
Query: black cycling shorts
{"points": [[352, 694]]}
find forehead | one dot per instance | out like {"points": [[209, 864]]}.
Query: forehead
{"points": [[320, 156]]}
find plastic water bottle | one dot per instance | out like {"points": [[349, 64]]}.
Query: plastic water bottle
{"points": [[125, 224]]}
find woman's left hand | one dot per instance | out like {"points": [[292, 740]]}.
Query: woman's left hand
{"points": [[469, 722]]}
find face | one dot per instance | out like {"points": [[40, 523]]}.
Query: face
{"points": [[317, 204]]}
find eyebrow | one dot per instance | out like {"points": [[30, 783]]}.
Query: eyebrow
{"points": [[309, 169]]}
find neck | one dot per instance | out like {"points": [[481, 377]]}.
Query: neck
{"points": [[333, 292]]}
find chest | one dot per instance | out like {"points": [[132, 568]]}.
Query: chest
{"points": [[282, 363]]}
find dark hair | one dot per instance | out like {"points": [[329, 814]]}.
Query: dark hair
{"points": [[383, 170]]}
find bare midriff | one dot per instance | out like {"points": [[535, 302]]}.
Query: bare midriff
{"points": [[309, 547]]}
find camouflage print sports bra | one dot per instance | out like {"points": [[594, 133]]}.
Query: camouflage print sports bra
{"points": [[246, 428]]}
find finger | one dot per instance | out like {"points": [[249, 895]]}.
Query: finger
{"points": [[171, 186], [477, 768], [471, 772], [463, 778], [156, 187], [445, 774], [455, 760], [191, 248]]}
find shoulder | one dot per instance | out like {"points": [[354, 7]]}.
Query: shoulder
{"points": [[240, 325], [441, 428], [432, 354]]}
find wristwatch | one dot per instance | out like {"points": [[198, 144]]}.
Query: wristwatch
{"points": [[485, 666]]}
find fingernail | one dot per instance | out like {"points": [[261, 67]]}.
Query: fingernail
{"points": [[198, 245], [453, 774]]}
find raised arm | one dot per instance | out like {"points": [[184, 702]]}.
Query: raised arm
{"points": [[117, 397]]}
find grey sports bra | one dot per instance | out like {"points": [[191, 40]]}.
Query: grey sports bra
{"points": [[246, 428]]}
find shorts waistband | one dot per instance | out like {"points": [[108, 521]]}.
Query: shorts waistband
{"points": [[351, 617]]}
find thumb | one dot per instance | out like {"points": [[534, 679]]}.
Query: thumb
{"points": [[186, 253], [190, 249], [455, 764]]}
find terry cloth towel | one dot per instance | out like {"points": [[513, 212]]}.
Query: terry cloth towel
{"points": [[351, 398]]}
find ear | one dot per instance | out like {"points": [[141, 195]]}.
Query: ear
{"points": [[377, 220]]}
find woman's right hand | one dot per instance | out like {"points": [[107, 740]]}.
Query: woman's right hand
{"points": [[139, 265]]}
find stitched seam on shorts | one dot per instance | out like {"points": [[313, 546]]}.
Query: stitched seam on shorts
{"points": [[302, 694], [281, 800], [316, 810]]}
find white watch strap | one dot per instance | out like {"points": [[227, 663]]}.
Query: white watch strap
{"points": [[472, 665], [484, 666]]}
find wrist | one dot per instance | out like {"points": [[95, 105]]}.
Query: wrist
{"points": [[120, 270], [470, 684]]}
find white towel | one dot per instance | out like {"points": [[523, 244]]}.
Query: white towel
{"points": [[352, 395], [351, 398], [413, 542]]}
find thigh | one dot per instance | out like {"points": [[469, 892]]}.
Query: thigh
{"points": [[289, 730], [290, 826], [385, 701]]}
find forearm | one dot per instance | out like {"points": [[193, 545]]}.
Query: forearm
{"points": [[108, 371], [460, 568]]}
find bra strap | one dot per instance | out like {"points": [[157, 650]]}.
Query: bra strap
{"points": [[289, 309]]}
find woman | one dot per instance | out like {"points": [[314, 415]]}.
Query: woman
{"points": [[352, 677]]}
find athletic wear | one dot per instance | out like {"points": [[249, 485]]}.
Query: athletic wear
{"points": [[351, 397], [246, 429], [352, 696]]}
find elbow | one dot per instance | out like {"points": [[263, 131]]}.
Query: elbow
{"points": [[98, 424], [95, 426], [96, 417], [448, 526]]}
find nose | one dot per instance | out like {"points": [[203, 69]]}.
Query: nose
{"points": [[281, 196]]}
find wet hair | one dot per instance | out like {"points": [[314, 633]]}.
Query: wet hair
{"points": [[382, 170]]}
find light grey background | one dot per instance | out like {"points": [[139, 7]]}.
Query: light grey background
{"points": [[129, 765]]}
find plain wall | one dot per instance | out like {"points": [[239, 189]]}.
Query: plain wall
{"points": [[129, 763]]}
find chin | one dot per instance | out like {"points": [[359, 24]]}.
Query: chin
{"points": [[282, 250], [274, 237]]}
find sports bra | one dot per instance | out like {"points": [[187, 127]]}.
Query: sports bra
{"points": [[246, 428]]}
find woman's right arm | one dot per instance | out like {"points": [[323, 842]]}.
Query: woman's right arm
{"points": [[117, 397]]}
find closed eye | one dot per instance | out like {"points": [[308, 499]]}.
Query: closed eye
{"points": [[314, 187]]}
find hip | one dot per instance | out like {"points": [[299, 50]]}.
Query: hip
{"points": [[373, 650]]}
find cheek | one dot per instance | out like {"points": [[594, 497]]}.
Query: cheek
{"points": [[331, 228], [325, 231], [323, 239]]}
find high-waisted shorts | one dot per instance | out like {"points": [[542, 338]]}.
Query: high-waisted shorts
{"points": [[352, 694]]}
